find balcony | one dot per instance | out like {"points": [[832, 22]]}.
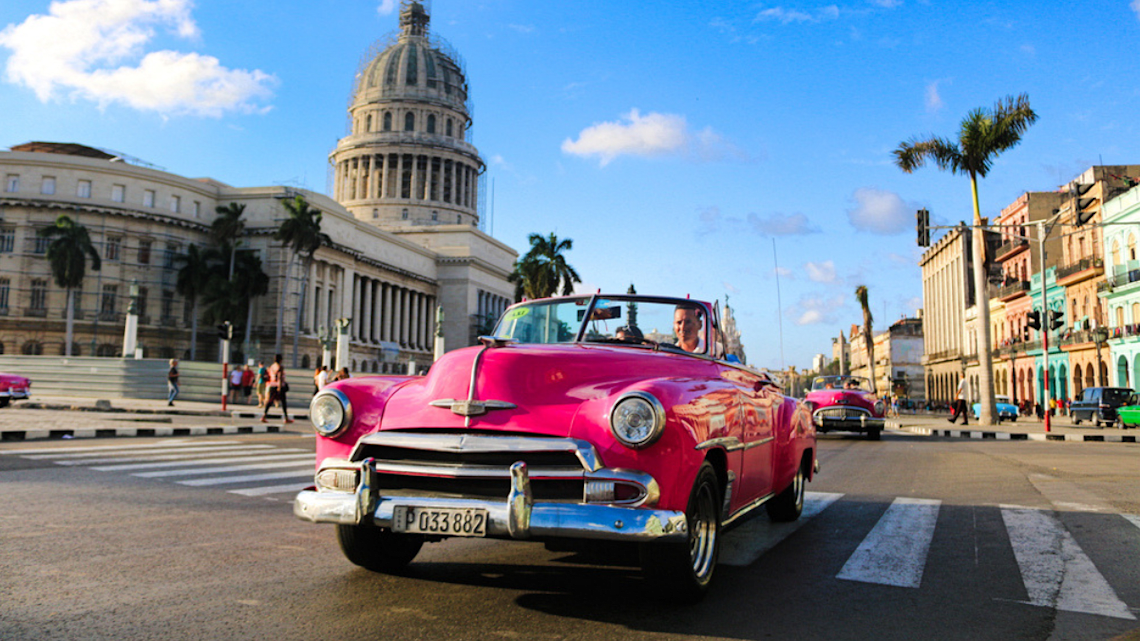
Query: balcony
{"points": [[1011, 248], [1118, 280], [1082, 269], [1012, 289]]}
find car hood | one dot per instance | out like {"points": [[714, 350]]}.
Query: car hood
{"points": [[545, 384], [824, 398]]}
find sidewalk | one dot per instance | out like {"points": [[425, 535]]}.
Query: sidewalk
{"points": [[1023, 429], [74, 417]]}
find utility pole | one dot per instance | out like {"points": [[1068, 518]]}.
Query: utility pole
{"points": [[1044, 323]]}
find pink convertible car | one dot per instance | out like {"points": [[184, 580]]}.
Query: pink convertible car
{"points": [[582, 418], [846, 404], [14, 388]]}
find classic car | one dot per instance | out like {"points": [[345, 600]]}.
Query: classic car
{"points": [[846, 404], [13, 388], [1098, 404], [1128, 416], [561, 429], [1006, 411]]}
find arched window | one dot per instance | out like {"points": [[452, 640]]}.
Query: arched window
{"points": [[368, 123], [1131, 247], [403, 215], [305, 361], [449, 128], [431, 124], [1120, 316], [33, 348], [1135, 315], [1115, 252], [409, 121], [387, 121]]}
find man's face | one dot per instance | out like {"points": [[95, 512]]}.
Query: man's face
{"points": [[687, 327]]}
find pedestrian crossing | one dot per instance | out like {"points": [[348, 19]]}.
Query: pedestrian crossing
{"points": [[245, 469], [1056, 566]]}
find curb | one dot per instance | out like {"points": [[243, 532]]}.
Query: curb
{"points": [[1014, 436], [27, 435]]}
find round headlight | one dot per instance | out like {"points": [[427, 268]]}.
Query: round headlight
{"points": [[330, 413], [637, 420]]}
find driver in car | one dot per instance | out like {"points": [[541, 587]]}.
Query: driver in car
{"points": [[687, 326]]}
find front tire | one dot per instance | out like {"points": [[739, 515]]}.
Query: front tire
{"points": [[790, 503], [682, 572], [874, 433], [375, 549]]}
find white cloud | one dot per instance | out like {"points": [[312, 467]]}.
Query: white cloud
{"points": [[788, 16], [821, 272], [386, 7], [813, 311], [1135, 4], [784, 272], [887, 4], [880, 212], [780, 225], [84, 47], [933, 99], [730, 288], [651, 135]]}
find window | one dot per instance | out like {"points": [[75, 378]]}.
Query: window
{"points": [[435, 215], [448, 128], [83, 189], [144, 252], [140, 306], [148, 198], [47, 187], [7, 240], [39, 294], [171, 252], [375, 213], [107, 302], [431, 124], [404, 214], [119, 193], [1120, 316], [12, 185], [111, 248], [409, 121], [167, 304], [387, 121], [176, 204], [1131, 247], [197, 209], [1115, 252], [368, 123], [40, 243], [5, 291]]}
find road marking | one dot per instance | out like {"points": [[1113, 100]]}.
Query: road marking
{"points": [[1056, 572], [745, 544], [168, 457], [49, 450], [894, 553], [1067, 496], [202, 461], [249, 478], [273, 489], [306, 459], [1135, 520], [179, 450]]}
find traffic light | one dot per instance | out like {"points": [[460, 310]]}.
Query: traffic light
{"points": [[1034, 320], [1080, 204], [922, 217], [226, 331], [1056, 318]]}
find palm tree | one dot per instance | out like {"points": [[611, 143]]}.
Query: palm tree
{"points": [[226, 229], [868, 338], [251, 282], [302, 232], [67, 254], [193, 280], [543, 269], [982, 135]]}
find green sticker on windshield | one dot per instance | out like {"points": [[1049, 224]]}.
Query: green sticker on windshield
{"points": [[516, 313]]}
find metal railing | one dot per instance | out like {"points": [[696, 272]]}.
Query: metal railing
{"points": [[1013, 288], [1080, 266]]}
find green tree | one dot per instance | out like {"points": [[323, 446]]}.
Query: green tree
{"points": [[251, 282], [67, 254], [868, 334], [301, 231], [193, 281], [226, 232], [543, 270], [982, 135]]}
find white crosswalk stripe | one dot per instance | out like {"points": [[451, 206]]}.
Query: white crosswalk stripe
{"points": [[1134, 519], [1056, 571], [155, 455], [268, 456], [274, 462], [894, 553], [307, 472]]}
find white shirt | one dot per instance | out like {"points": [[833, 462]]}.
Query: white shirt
{"points": [[323, 378], [235, 378]]}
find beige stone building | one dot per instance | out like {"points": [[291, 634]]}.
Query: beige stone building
{"points": [[946, 284], [404, 223]]}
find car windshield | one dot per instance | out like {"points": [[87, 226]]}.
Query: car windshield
{"points": [[841, 382], [613, 319]]}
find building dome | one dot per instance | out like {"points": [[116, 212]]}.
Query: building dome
{"points": [[407, 159]]}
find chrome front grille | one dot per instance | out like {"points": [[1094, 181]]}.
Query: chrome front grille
{"points": [[841, 412], [468, 465]]}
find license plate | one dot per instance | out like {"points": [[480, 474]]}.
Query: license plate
{"points": [[447, 521]]}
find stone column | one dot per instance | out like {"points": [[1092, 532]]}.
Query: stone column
{"points": [[374, 326], [367, 314], [355, 305], [386, 321], [399, 175]]}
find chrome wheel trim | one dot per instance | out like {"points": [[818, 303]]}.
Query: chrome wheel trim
{"points": [[703, 534], [798, 482]]}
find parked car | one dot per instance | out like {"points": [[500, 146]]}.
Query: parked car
{"points": [[556, 429], [846, 404], [1128, 415], [14, 388], [1098, 405], [1006, 411]]}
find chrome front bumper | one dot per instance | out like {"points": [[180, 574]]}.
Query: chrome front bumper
{"points": [[15, 394], [517, 517], [848, 423]]}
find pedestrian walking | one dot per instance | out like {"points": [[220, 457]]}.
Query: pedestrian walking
{"points": [[261, 384], [959, 408], [278, 388], [172, 382], [247, 379], [235, 384]]}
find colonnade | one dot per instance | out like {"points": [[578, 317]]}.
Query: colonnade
{"points": [[491, 305], [407, 176], [388, 313]]}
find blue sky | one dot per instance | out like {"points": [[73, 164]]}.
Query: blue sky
{"points": [[677, 143]]}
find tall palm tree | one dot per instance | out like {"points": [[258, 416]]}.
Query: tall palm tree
{"points": [[193, 280], [227, 229], [868, 333], [67, 254], [251, 282], [302, 232], [982, 135], [544, 269]]}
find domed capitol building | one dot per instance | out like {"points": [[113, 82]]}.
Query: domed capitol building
{"points": [[405, 221]]}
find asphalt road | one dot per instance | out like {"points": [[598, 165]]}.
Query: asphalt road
{"points": [[910, 537]]}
